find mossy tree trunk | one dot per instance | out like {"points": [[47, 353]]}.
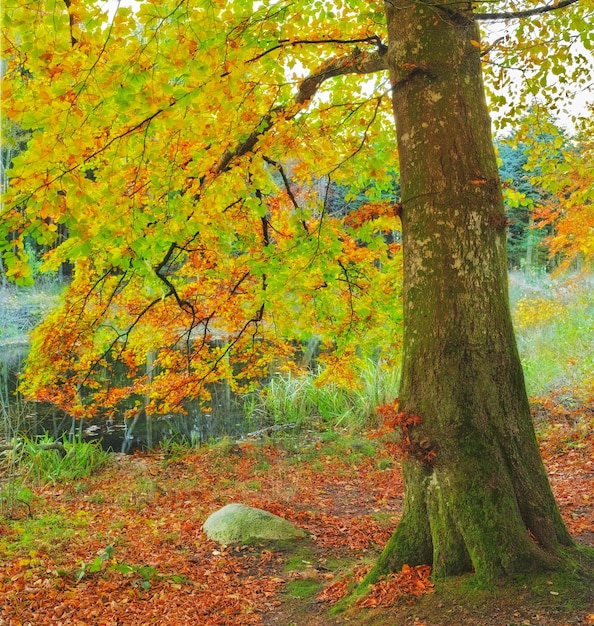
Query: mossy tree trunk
{"points": [[477, 495]]}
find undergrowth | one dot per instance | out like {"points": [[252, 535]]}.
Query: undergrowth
{"points": [[302, 401], [75, 460], [554, 322], [31, 462]]}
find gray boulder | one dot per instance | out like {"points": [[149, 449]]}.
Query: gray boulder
{"points": [[238, 523]]}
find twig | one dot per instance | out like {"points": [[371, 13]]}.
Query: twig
{"points": [[514, 15]]}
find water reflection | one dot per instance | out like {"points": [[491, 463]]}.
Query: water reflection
{"points": [[224, 417]]}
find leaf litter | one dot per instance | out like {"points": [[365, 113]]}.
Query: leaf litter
{"points": [[126, 546]]}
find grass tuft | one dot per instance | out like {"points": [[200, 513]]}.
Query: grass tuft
{"points": [[302, 401], [77, 460]]}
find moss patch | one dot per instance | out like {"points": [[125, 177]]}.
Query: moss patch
{"points": [[300, 559], [303, 588]]}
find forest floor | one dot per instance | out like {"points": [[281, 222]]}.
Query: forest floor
{"points": [[125, 546]]}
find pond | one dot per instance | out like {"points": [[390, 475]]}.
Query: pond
{"points": [[225, 416]]}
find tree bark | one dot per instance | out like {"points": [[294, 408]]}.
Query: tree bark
{"points": [[477, 495]]}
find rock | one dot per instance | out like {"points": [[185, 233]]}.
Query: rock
{"points": [[238, 523]]}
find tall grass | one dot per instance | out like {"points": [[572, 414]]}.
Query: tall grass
{"points": [[73, 461], [29, 462], [301, 401], [554, 322], [13, 421]]}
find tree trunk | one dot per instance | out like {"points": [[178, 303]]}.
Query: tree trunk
{"points": [[477, 495], [529, 241]]}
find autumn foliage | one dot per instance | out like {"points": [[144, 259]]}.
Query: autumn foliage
{"points": [[410, 582], [560, 170], [172, 170], [569, 203], [410, 446], [183, 159]]}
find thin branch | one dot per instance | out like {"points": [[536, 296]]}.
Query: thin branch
{"points": [[248, 144], [255, 320], [351, 295], [486, 51], [129, 131], [121, 335], [279, 168], [265, 237], [355, 63], [365, 134], [284, 43], [184, 305], [238, 284], [71, 23], [527, 13]]}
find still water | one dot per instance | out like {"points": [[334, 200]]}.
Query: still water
{"points": [[224, 417]]}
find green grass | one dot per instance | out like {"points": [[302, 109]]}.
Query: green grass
{"points": [[46, 533], [303, 588], [301, 401], [15, 499], [554, 321], [28, 464], [300, 559], [80, 459]]}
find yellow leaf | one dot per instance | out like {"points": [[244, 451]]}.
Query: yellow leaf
{"points": [[475, 43]]}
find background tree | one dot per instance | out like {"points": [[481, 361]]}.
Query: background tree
{"points": [[524, 241], [546, 192], [567, 209], [154, 140]]}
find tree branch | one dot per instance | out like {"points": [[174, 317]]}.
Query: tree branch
{"points": [[284, 43], [71, 22], [486, 51], [55, 445], [279, 168], [184, 305], [527, 13], [357, 62]]}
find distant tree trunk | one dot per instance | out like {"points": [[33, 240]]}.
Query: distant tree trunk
{"points": [[529, 241], [150, 373], [483, 503]]}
